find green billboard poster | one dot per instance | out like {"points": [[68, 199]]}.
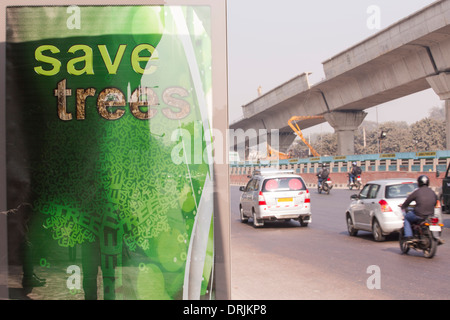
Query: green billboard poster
{"points": [[109, 155]]}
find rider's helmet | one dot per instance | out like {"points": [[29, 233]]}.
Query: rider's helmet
{"points": [[423, 180], [354, 164]]}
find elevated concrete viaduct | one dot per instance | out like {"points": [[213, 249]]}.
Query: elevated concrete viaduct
{"points": [[409, 56]]}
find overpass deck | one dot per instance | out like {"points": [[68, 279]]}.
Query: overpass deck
{"points": [[410, 56]]}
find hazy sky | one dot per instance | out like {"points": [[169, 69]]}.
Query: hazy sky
{"points": [[270, 42]]}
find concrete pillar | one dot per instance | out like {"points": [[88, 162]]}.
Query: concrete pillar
{"points": [[345, 123], [447, 123], [441, 85]]}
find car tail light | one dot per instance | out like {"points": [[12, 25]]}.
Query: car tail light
{"points": [[384, 206], [261, 199], [307, 197], [438, 204]]}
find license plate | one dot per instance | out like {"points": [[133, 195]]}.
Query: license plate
{"points": [[285, 199], [435, 228]]}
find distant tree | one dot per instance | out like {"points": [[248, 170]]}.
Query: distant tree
{"points": [[369, 125], [429, 134], [299, 150], [398, 137], [437, 113], [326, 145], [366, 140]]}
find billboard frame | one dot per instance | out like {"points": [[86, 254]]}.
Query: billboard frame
{"points": [[222, 263]]}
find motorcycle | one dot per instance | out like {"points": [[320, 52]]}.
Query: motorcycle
{"points": [[357, 182], [326, 186], [426, 237]]}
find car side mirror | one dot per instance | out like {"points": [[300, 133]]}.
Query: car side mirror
{"points": [[241, 188], [354, 196]]}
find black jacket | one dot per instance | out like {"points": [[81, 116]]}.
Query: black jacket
{"points": [[323, 173], [425, 199]]}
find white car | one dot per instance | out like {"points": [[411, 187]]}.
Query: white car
{"points": [[376, 208], [275, 195]]}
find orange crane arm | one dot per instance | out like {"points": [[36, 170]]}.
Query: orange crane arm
{"points": [[293, 124], [277, 154]]}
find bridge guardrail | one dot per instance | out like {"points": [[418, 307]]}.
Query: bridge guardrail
{"points": [[408, 164], [408, 161]]}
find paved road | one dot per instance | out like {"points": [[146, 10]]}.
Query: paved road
{"points": [[284, 261]]}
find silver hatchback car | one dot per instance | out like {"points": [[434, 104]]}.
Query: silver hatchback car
{"points": [[376, 208], [275, 195]]}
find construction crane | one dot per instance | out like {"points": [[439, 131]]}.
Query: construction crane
{"points": [[275, 154], [294, 125]]}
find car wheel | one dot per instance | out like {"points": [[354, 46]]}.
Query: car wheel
{"points": [[303, 223], [257, 223], [351, 227], [244, 219], [377, 232]]}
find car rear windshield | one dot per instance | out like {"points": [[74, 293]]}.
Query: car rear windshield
{"points": [[283, 184], [401, 190]]}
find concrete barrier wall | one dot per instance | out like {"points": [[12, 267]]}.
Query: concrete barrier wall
{"points": [[340, 179]]}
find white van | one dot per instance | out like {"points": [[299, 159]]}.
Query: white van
{"points": [[275, 195]]}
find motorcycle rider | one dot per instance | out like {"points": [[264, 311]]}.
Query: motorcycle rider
{"points": [[425, 199], [322, 174], [353, 173]]}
